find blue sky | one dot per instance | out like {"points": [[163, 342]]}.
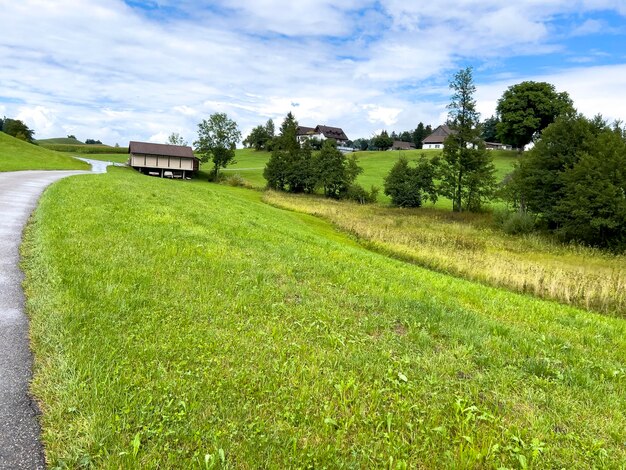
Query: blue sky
{"points": [[140, 70]]}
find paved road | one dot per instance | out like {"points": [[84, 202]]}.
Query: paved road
{"points": [[20, 447]]}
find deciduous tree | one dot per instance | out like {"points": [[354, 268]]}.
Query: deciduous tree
{"points": [[176, 139], [411, 186], [217, 139], [526, 109]]}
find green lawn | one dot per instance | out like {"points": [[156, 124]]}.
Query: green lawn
{"points": [[189, 325], [18, 155]]}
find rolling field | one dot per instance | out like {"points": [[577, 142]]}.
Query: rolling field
{"points": [[16, 155], [187, 325]]}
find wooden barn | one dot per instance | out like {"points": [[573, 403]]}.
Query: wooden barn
{"points": [[166, 161]]}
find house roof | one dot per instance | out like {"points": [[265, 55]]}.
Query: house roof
{"points": [[303, 130], [401, 145], [148, 148], [331, 132], [439, 135]]}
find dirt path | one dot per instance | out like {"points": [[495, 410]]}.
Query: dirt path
{"points": [[20, 446]]}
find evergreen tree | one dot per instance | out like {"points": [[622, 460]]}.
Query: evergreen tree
{"points": [[411, 186], [467, 171]]}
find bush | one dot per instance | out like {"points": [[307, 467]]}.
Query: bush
{"points": [[358, 193], [236, 180], [516, 223], [411, 186]]}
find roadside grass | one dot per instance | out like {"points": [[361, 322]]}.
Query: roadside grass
{"points": [[184, 325], [468, 245], [16, 155]]}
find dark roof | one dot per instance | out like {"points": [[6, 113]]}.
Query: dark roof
{"points": [[439, 135], [147, 148], [303, 130], [331, 132], [401, 145]]}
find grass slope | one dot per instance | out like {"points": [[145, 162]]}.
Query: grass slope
{"points": [[180, 325], [60, 140], [18, 155], [469, 245]]}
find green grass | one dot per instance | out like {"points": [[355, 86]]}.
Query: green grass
{"points": [[187, 325], [472, 246], [108, 157], [84, 148], [375, 166], [60, 140], [16, 155]]}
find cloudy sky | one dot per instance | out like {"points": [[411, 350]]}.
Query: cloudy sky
{"points": [[139, 70]]}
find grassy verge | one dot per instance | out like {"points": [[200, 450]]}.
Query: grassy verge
{"points": [[183, 325], [16, 155], [467, 245]]}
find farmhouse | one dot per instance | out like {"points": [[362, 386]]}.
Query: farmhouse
{"points": [[322, 133], [435, 140], [169, 161], [399, 145]]}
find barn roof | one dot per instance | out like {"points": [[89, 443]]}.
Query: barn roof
{"points": [[439, 135], [148, 148]]}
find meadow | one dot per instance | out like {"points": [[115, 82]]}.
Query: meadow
{"points": [[16, 155], [190, 325], [470, 246]]}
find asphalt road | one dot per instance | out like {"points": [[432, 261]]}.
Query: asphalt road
{"points": [[20, 445]]}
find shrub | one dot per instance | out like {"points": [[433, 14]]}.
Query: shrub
{"points": [[411, 186], [359, 194], [517, 223]]}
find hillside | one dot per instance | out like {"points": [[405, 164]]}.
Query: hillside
{"points": [[60, 140], [187, 325], [18, 155], [376, 165]]}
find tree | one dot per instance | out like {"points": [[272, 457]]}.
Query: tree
{"points": [[526, 109], [466, 171], [420, 133], [257, 139], [93, 142], [176, 139], [535, 185], [490, 129], [72, 136], [335, 172], [17, 129], [411, 186], [288, 167], [382, 141], [217, 139], [592, 208]]}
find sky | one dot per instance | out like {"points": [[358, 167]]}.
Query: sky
{"points": [[116, 71]]}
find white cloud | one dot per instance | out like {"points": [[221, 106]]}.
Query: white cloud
{"points": [[131, 76], [594, 90]]}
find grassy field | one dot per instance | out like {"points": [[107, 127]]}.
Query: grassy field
{"points": [[468, 245], [375, 166], [60, 140], [188, 325], [16, 155], [85, 149]]}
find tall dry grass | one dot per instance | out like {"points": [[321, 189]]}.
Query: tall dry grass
{"points": [[467, 245]]}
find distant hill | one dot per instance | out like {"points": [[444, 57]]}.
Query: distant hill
{"points": [[17, 155], [61, 140]]}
